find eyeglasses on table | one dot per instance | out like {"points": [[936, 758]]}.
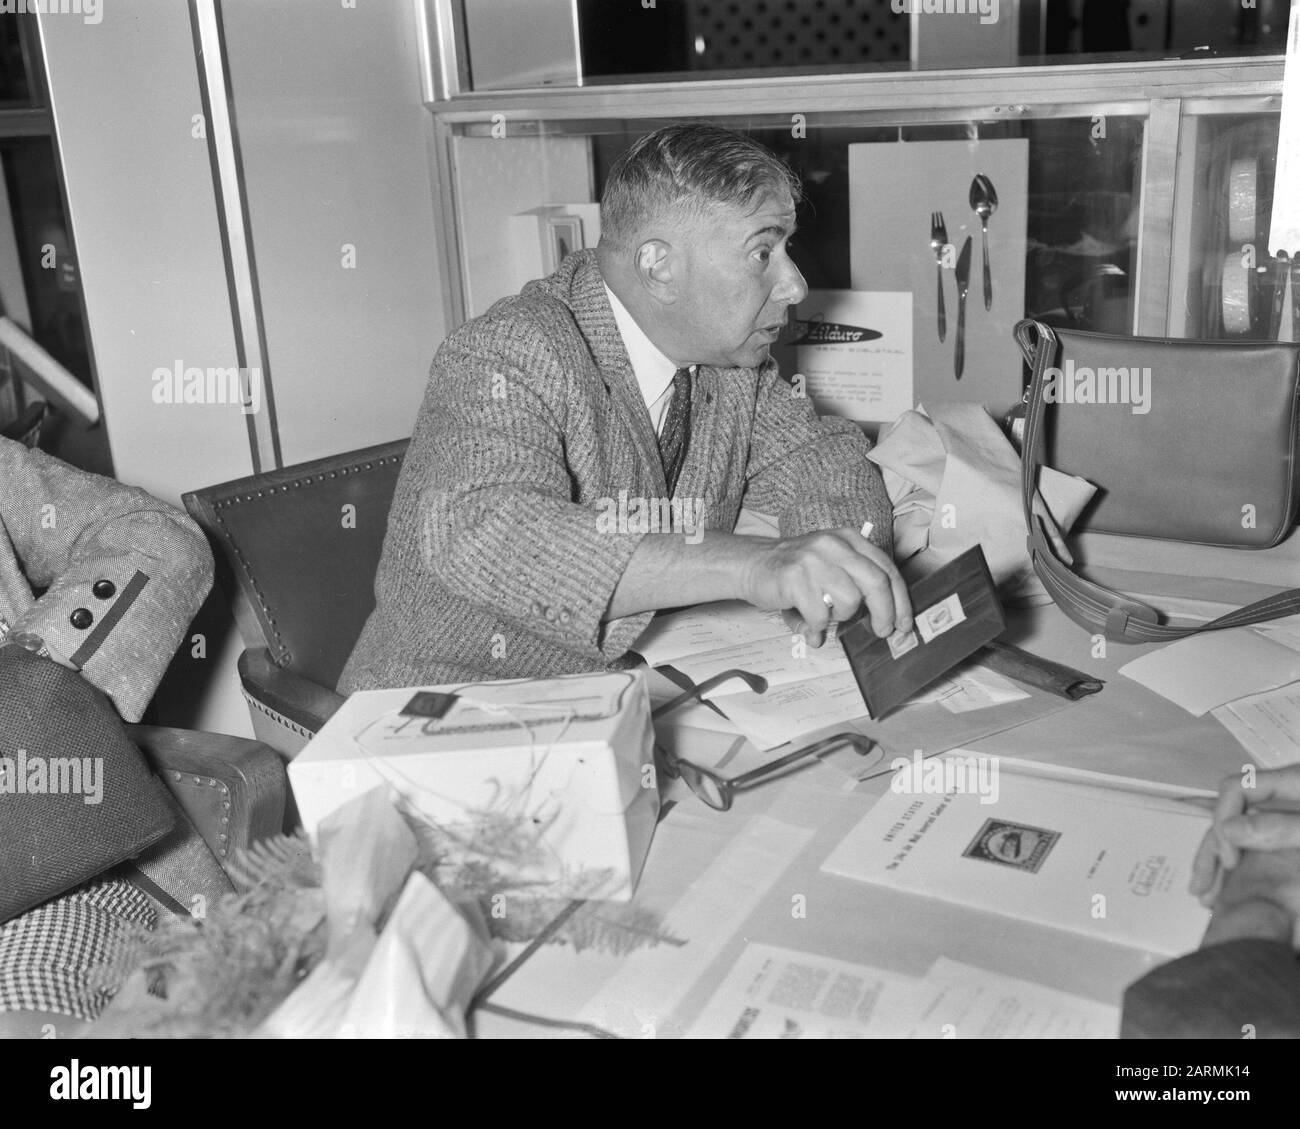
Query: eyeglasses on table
{"points": [[718, 791]]}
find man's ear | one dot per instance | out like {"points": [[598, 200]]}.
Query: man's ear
{"points": [[654, 269]]}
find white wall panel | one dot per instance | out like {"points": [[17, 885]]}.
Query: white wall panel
{"points": [[142, 209], [124, 93], [335, 147], [489, 186]]}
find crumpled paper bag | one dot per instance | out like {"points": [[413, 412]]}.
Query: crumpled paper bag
{"points": [[954, 481], [402, 960]]}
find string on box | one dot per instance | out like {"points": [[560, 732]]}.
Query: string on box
{"points": [[392, 774]]}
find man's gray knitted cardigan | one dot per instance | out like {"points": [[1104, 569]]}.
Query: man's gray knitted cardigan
{"points": [[507, 536]]}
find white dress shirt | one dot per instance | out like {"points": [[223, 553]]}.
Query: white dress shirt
{"points": [[653, 371]]}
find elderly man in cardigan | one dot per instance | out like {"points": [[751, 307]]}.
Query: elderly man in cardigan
{"points": [[584, 448], [103, 579]]}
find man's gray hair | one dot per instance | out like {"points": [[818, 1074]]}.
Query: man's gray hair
{"points": [[685, 168]]}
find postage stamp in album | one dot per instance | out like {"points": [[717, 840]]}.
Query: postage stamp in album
{"points": [[941, 617], [1012, 844], [901, 642]]}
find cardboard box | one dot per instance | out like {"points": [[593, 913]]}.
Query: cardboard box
{"points": [[570, 757]]}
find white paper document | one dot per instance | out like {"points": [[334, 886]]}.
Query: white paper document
{"points": [[984, 1005], [973, 689], [648, 984], [1055, 854], [773, 992], [809, 688], [1267, 725], [709, 627], [853, 349], [1207, 670], [781, 659], [792, 710]]}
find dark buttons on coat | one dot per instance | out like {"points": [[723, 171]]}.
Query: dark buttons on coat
{"points": [[104, 589], [81, 619]]}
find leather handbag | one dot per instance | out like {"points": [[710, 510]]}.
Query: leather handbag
{"points": [[1192, 441], [76, 796], [1186, 440]]}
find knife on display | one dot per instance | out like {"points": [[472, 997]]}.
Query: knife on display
{"points": [[963, 285]]}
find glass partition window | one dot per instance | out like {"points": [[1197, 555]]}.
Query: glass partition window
{"points": [[513, 44], [1081, 205], [1103, 165], [892, 230]]}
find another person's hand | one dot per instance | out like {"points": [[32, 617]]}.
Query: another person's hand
{"points": [[1259, 898], [1265, 817], [827, 576]]}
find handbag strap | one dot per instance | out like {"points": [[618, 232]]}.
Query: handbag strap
{"points": [[1092, 605]]}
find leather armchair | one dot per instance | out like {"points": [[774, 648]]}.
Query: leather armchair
{"points": [[232, 790], [303, 545]]}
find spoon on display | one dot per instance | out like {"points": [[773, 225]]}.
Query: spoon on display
{"points": [[984, 202]]}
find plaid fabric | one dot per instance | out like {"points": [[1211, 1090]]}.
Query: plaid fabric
{"points": [[60, 956]]}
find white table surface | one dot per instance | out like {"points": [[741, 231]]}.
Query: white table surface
{"points": [[738, 876]]}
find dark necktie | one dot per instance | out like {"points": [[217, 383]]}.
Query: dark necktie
{"points": [[676, 430]]}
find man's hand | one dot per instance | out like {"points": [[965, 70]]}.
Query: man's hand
{"points": [[796, 574], [1260, 898], [1240, 824], [787, 574]]}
